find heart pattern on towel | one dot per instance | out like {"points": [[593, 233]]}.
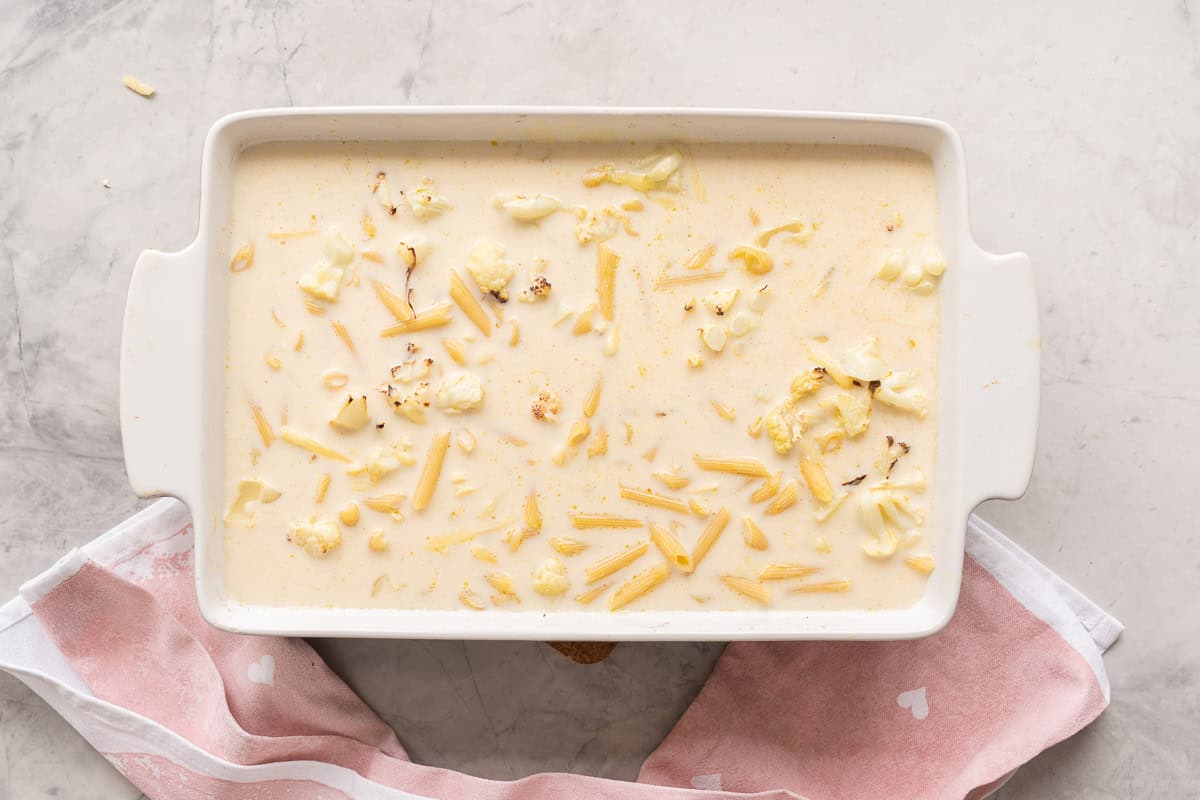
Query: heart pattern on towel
{"points": [[262, 671], [711, 781], [915, 701]]}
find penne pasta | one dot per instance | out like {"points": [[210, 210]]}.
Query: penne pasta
{"points": [[671, 282], [322, 487], [750, 467], [748, 588], [584, 520], [593, 400], [567, 547], [785, 500], [583, 321], [814, 475], [580, 430], [533, 514], [384, 503], [441, 542], [922, 564], [434, 317], [618, 561], [639, 585], [310, 444], [456, 350], [700, 258], [264, 428], [399, 307], [466, 300], [431, 471], [673, 480], [651, 499], [502, 582], [313, 307], [470, 599], [343, 334], [783, 572], [710, 534], [769, 489], [606, 281], [723, 411], [669, 545], [827, 587], [591, 594], [754, 536], [243, 259], [483, 554]]}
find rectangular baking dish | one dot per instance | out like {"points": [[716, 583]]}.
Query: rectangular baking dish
{"points": [[173, 353]]}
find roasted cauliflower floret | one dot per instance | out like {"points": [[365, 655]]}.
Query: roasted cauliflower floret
{"points": [[412, 370], [490, 270], [545, 405], [318, 536], [805, 384], [785, 424], [550, 578], [720, 301], [459, 392], [898, 390], [424, 203], [852, 414], [538, 289]]}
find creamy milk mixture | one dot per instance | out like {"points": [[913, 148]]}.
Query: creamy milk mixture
{"points": [[773, 311]]}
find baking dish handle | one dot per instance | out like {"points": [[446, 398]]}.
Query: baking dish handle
{"points": [[1001, 376], [161, 358]]}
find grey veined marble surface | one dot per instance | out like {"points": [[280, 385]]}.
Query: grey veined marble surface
{"points": [[1082, 126]]}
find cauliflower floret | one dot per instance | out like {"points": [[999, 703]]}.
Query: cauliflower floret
{"points": [[714, 337], [853, 415], [338, 251], [489, 269], [864, 362], [546, 405], [413, 249], [318, 537], [425, 204], [353, 414], [892, 266], [821, 357], [720, 301], [892, 520], [250, 491], [785, 424], [656, 171], [760, 299], [539, 289], [383, 461], [742, 323], [412, 370], [825, 510], [411, 405], [754, 260], [598, 226], [898, 391], [528, 209], [459, 392], [805, 384], [324, 282], [550, 578]]}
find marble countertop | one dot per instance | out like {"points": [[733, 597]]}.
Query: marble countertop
{"points": [[1083, 141]]}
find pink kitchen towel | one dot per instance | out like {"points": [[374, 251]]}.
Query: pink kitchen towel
{"points": [[112, 639]]}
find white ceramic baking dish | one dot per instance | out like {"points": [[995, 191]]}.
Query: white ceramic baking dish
{"points": [[173, 352]]}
